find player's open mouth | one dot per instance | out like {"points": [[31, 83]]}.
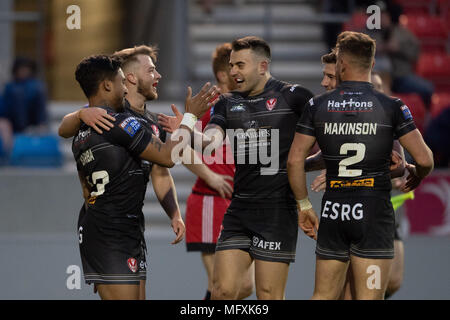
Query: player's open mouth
{"points": [[155, 85], [238, 80]]}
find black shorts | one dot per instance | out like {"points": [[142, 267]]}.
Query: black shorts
{"points": [[363, 226], [112, 250], [268, 234]]}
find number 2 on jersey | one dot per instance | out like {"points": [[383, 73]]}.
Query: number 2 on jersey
{"points": [[99, 179], [360, 149]]}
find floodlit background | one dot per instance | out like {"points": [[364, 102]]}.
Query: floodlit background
{"points": [[39, 190]]}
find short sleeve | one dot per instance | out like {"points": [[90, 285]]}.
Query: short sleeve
{"points": [[296, 97], [403, 119], [306, 124], [219, 114], [129, 133]]}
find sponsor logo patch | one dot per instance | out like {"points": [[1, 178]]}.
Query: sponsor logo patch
{"points": [[369, 182], [130, 125], [406, 113], [238, 108]]}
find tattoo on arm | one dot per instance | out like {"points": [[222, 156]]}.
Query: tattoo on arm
{"points": [[157, 144], [169, 203]]}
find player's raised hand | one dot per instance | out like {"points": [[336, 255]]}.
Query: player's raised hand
{"points": [[412, 180], [179, 229], [170, 123], [308, 222], [220, 183], [96, 117], [320, 182], [202, 101]]}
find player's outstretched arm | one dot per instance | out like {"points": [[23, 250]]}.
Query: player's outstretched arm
{"points": [[166, 154], [422, 155], [96, 118], [307, 218], [218, 182], [165, 191]]}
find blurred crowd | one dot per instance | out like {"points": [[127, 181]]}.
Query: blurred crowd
{"points": [[23, 106]]}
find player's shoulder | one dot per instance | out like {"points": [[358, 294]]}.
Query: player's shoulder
{"points": [[293, 88], [322, 97]]}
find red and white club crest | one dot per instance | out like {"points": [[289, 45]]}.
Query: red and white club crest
{"points": [[132, 264], [155, 130], [270, 104]]}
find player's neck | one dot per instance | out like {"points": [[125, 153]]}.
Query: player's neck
{"points": [[261, 85], [137, 102], [97, 101], [357, 77]]}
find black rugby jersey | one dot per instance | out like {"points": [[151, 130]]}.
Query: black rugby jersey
{"points": [[262, 122], [111, 164], [355, 126], [149, 121]]}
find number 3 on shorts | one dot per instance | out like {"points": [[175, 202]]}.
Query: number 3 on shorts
{"points": [[360, 149], [99, 179]]}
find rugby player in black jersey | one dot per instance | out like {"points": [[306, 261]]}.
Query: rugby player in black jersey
{"points": [[260, 224], [112, 243], [142, 78], [319, 184], [355, 126]]}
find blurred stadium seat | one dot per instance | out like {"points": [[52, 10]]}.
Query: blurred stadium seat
{"points": [[357, 22], [435, 67], [36, 151], [430, 30], [416, 106], [439, 102], [416, 6]]}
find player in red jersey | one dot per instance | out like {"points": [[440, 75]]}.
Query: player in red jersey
{"points": [[212, 191]]}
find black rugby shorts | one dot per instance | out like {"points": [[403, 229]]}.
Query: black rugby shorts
{"points": [[113, 251], [363, 226], [268, 234]]}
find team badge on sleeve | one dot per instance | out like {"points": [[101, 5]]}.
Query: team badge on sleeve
{"points": [[155, 130], [130, 125], [406, 113]]}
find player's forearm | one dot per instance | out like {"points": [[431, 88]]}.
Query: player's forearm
{"points": [[315, 162], [194, 164], [297, 178], [70, 125], [165, 191], [424, 168]]}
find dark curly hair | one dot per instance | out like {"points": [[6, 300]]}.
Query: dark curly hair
{"points": [[91, 71]]}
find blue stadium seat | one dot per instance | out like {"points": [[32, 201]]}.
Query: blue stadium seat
{"points": [[36, 151]]}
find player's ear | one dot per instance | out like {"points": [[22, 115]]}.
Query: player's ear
{"points": [[131, 78], [263, 66], [373, 64], [107, 85], [221, 76]]}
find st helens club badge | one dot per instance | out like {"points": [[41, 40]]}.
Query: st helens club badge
{"points": [[132, 264], [270, 104], [155, 130]]}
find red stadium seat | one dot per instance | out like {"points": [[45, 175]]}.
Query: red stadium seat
{"points": [[416, 106], [439, 102], [430, 30], [436, 68], [357, 22], [416, 6]]}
